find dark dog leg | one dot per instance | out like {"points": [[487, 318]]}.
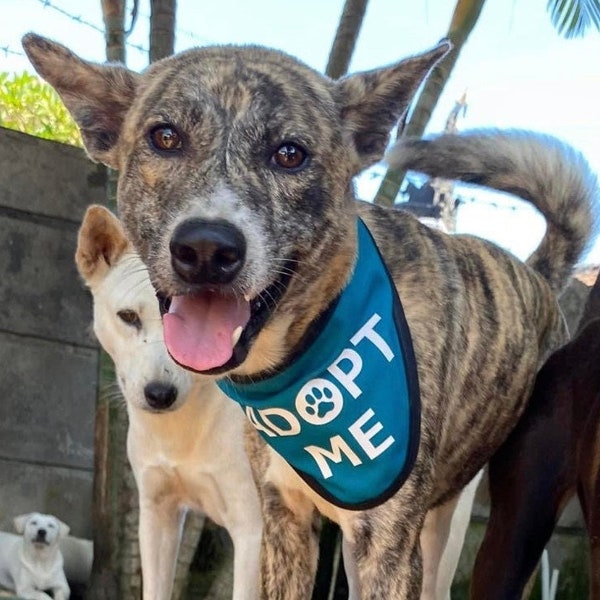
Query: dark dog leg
{"points": [[546, 458], [589, 493], [532, 477], [593, 524]]}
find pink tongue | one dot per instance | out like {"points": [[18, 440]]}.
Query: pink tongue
{"points": [[198, 329]]}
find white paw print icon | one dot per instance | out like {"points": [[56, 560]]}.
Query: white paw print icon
{"points": [[319, 401]]}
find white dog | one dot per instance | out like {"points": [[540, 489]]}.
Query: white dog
{"points": [[32, 563], [185, 439]]}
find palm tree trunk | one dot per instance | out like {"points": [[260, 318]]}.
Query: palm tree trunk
{"points": [[110, 462], [466, 14], [113, 12], [345, 38], [162, 28]]}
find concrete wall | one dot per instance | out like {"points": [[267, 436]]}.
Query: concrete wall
{"points": [[48, 358]]}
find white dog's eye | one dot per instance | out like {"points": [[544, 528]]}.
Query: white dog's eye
{"points": [[130, 317], [51, 526]]}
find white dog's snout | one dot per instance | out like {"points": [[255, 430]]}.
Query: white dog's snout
{"points": [[160, 395]]}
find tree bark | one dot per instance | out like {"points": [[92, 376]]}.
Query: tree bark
{"points": [[466, 14], [162, 28], [110, 468], [113, 13], [110, 429], [345, 38]]}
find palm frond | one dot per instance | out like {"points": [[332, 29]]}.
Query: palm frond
{"points": [[573, 18]]}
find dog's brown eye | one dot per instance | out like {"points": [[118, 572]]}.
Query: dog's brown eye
{"points": [[289, 156], [165, 138], [130, 317]]}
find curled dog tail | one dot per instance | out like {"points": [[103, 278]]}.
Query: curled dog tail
{"points": [[540, 169]]}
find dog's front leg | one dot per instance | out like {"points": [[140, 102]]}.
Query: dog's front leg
{"points": [[291, 525], [246, 563], [246, 534], [387, 550], [61, 589], [61, 593], [28, 592], [160, 534], [290, 548], [351, 569], [434, 536]]}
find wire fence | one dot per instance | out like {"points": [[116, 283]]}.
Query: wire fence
{"points": [[180, 33]]}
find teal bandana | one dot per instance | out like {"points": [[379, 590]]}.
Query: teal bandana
{"points": [[345, 414]]}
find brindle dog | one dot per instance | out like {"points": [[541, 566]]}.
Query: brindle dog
{"points": [[236, 167]]}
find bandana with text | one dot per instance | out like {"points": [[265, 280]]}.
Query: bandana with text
{"points": [[345, 414]]}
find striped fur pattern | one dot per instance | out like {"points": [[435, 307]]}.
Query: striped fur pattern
{"points": [[481, 320]]}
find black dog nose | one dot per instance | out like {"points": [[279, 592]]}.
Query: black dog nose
{"points": [[210, 252], [160, 395], [41, 533]]}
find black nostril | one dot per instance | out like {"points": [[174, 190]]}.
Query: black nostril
{"points": [[41, 533], [209, 252], [185, 254], [160, 395]]}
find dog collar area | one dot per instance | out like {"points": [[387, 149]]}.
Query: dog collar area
{"points": [[345, 414]]}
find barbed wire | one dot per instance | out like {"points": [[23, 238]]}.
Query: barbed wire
{"points": [[185, 32], [201, 40], [6, 50], [79, 19], [82, 21]]}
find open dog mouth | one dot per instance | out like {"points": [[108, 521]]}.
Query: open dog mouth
{"points": [[40, 541], [212, 331]]}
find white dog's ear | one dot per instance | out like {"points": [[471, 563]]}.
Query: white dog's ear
{"points": [[101, 242], [373, 101], [20, 522], [63, 528]]}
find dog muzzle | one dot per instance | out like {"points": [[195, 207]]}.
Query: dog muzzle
{"points": [[345, 414]]}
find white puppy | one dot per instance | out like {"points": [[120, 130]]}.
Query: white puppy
{"points": [[185, 438], [32, 563]]}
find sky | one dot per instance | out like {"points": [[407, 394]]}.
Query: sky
{"points": [[517, 71]]}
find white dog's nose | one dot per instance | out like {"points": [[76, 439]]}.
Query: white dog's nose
{"points": [[41, 534], [160, 395]]}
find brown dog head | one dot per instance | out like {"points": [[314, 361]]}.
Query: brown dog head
{"points": [[235, 184]]}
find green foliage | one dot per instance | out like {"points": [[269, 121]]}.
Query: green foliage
{"points": [[573, 18], [29, 105]]}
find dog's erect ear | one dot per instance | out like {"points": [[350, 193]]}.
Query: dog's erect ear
{"points": [[20, 522], [97, 96], [372, 102], [100, 243]]}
